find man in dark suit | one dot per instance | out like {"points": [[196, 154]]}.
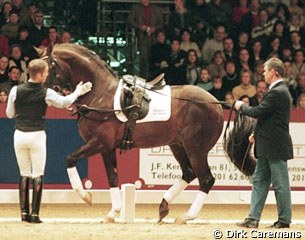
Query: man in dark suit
{"points": [[273, 147]]}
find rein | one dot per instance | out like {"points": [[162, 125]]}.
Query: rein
{"points": [[83, 110], [223, 103]]}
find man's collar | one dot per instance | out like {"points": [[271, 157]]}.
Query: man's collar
{"points": [[274, 83]]}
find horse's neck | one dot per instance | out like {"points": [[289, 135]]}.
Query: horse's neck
{"points": [[104, 91]]}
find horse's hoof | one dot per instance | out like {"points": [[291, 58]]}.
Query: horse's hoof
{"points": [[110, 216], [88, 198], [108, 220], [163, 210], [181, 220]]}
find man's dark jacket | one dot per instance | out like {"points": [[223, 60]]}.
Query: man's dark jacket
{"points": [[271, 133]]}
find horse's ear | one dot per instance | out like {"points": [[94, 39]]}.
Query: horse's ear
{"points": [[41, 52]]}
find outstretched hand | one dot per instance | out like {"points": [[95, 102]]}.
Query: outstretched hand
{"points": [[82, 89], [238, 104]]}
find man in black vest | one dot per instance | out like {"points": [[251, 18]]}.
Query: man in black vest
{"points": [[273, 147], [28, 103]]}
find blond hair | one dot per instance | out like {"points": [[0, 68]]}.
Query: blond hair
{"points": [[36, 66], [277, 65]]}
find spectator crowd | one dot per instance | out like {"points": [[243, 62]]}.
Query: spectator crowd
{"points": [[22, 30], [221, 46], [216, 45]]}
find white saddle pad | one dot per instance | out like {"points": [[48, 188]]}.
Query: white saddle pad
{"points": [[159, 106]]}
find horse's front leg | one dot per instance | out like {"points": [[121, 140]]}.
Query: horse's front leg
{"points": [[90, 148], [110, 161]]}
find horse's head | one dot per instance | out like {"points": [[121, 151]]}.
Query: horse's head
{"points": [[71, 63]]}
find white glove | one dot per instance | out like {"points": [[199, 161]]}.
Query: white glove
{"points": [[82, 89]]}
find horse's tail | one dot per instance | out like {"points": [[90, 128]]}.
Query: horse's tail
{"points": [[236, 143]]}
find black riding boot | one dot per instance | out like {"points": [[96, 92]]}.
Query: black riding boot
{"points": [[37, 192], [24, 198]]}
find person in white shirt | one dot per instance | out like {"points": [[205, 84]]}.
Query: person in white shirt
{"points": [[28, 103]]}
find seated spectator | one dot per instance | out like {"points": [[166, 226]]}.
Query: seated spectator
{"points": [[66, 37], [4, 69], [295, 41], [52, 39], [28, 19], [271, 10], [204, 81], [23, 40], [245, 99], [231, 79], [192, 67], [239, 11], [286, 53], [300, 101], [4, 13], [17, 60], [20, 7], [289, 77], [258, 73], [298, 64], [66, 90], [295, 24], [179, 19], [212, 45], [201, 12], [221, 13], [217, 90], [250, 19], [216, 67], [300, 87], [256, 51], [174, 65], [3, 95], [228, 49], [13, 78], [244, 61], [201, 32], [261, 88], [274, 48], [229, 98], [295, 8], [245, 87], [10, 29], [264, 28], [282, 13], [187, 44], [242, 42], [159, 52], [38, 31], [280, 31]]}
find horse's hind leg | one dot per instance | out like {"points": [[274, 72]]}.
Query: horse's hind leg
{"points": [[187, 176], [206, 182], [109, 157]]}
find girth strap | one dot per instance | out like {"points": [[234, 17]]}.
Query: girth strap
{"points": [[135, 105]]}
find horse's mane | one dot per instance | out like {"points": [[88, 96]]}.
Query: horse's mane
{"points": [[86, 52]]}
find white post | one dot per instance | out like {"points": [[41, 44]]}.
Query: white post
{"points": [[129, 207]]}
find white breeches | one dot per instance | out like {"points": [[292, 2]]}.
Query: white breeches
{"points": [[31, 152]]}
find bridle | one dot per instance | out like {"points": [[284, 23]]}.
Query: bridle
{"points": [[53, 76]]}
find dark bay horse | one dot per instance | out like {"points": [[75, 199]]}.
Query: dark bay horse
{"points": [[192, 130]]}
